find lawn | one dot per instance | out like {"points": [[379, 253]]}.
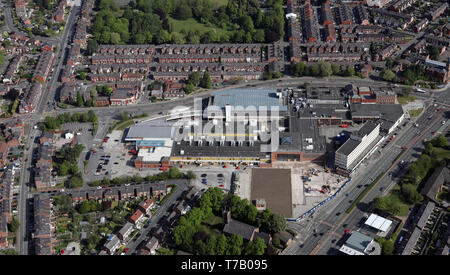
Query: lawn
{"points": [[415, 113], [405, 99], [124, 125], [219, 3], [396, 197], [443, 195], [209, 231], [214, 220], [192, 25]]}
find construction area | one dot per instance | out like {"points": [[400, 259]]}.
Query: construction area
{"points": [[289, 188]]}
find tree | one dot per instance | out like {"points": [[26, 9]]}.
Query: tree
{"points": [[335, 69], [76, 181], [137, 178], [235, 243], [349, 71], [183, 12], [92, 46], [221, 246], [387, 75], [194, 78], [276, 240], [325, 69], [410, 193], [387, 246], [315, 69], [389, 63], [14, 225], [191, 175], [276, 223], [211, 246], [84, 207], [440, 141], [115, 38], [256, 247], [64, 168], [206, 82], [80, 101], [299, 69], [433, 51], [259, 36]]}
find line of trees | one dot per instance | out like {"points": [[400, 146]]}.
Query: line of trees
{"points": [[322, 69], [53, 123], [412, 181]]}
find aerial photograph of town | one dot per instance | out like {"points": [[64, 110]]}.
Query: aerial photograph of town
{"points": [[224, 127]]}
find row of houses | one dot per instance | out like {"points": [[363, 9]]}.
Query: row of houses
{"points": [[438, 10], [157, 190], [401, 5], [22, 12], [13, 68], [11, 131], [30, 98], [43, 227], [43, 178], [44, 65], [59, 12], [308, 24], [6, 197]]}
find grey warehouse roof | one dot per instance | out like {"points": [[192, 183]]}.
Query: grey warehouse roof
{"points": [[248, 97], [152, 129]]}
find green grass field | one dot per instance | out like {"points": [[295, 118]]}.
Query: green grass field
{"points": [[415, 113], [218, 3], [192, 25], [404, 100]]}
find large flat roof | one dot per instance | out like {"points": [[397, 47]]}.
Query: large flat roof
{"points": [[248, 97], [358, 241], [152, 129], [378, 222]]}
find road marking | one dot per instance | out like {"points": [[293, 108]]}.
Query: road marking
{"points": [[326, 223], [336, 234]]}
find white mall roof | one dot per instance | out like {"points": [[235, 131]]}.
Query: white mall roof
{"points": [[378, 222]]}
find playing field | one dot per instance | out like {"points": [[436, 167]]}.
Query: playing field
{"points": [[192, 25]]}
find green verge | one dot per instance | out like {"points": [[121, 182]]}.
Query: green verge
{"points": [[124, 125], [364, 193]]}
